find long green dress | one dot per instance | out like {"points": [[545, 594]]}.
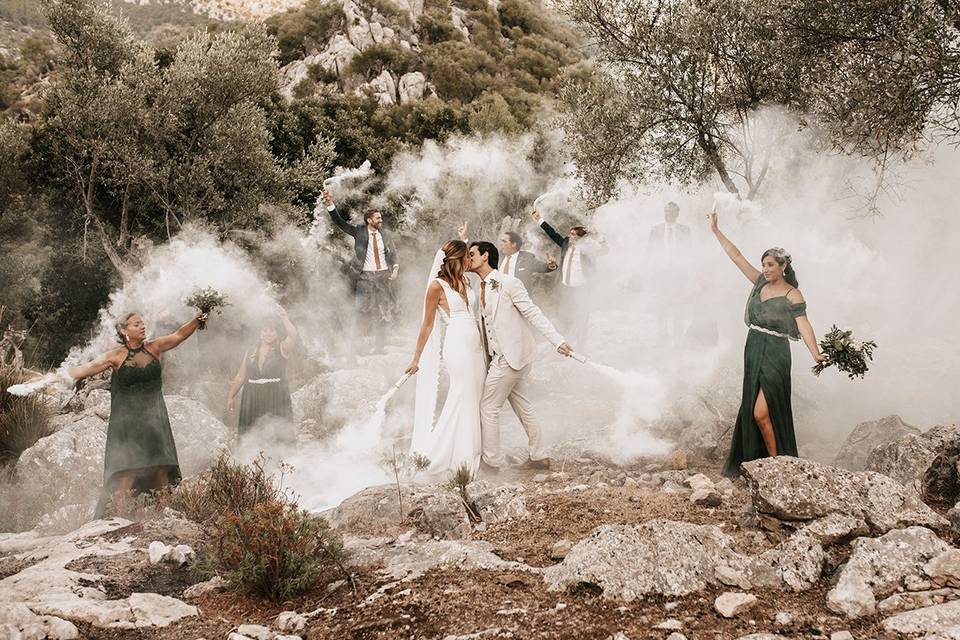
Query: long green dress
{"points": [[766, 365], [139, 437]]}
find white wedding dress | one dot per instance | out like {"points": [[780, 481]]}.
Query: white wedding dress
{"points": [[454, 439]]}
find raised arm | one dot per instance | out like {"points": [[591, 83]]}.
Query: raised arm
{"points": [[748, 270], [291, 340], [430, 304], [532, 313], [806, 329], [237, 382], [550, 231], [165, 343], [110, 359], [336, 216]]}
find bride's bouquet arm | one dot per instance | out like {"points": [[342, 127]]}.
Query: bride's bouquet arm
{"points": [[430, 304]]}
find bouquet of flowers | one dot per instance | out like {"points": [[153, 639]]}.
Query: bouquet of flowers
{"points": [[849, 355], [207, 300]]}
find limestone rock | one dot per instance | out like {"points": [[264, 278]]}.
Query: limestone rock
{"points": [[706, 497], [412, 87], [880, 566], [866, 437], [255, 631], [907, 458], [834, 528], [433, 508], [497, 502], [817, 490], [796, 563], [841, 635], [731, 604], [929, 620], [212, 585], [656, 557], [383, 88], [944, 570], [291, 621], [915, 600], [699, 481], [560, 549]]}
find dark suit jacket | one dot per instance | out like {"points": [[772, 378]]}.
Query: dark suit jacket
{"points": [[527, 265], [361, 237], [563, 242]]}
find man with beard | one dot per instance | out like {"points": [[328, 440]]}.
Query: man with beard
{"points": [[375, 264]]}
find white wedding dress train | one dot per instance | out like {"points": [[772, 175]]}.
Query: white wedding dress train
{"points": [[454, 439]]}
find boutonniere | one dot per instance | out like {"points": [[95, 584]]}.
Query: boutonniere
{"points": [[494, 284]]}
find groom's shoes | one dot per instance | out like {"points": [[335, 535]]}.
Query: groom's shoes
{"points": [[488, 470], [542, 464]]}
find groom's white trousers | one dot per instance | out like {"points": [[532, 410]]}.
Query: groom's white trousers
{"points": [[507, 384]]}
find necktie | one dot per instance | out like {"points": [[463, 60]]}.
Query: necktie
{"points": [[569, 269], [506, 265], [483, 293], [376, 250]]}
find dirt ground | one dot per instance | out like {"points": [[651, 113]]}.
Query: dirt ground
{"points": [[512, 604]]}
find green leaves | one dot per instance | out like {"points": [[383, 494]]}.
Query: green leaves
{"points": [[847, 354]]}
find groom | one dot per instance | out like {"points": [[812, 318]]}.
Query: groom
{"points": [[506, 317]]}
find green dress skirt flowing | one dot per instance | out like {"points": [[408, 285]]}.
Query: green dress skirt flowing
{"points": [[766, 366], [139, 437]]}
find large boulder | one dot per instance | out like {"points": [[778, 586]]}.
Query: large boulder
{"points": [[907, 458], [73, 456], [866, 437], [434, 509], [412, 87], [657, 557], [796, 489], [878, 567]]}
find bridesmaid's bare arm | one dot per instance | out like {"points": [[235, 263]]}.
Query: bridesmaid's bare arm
{"points": [[748, 270]]}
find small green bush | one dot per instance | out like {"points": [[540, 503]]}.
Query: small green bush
{"points": [[436, 26], [371, 62], [276, 550]]}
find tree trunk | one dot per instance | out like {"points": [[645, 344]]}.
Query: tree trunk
{"points": [[90, 215], [125, 220], [713, 156]]}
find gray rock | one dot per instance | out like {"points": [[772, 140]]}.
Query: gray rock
{"points": [[944, 570], [762, 636], [412, 87], [835, 528], [929, 620], [656, 557], [291, 621], [670, 624], [783, 618], [433, 508], [906, 458], [706, 497], [866, 437], [731, 604], [796, 563], [915, 600], [560, 549], [841, 635], [817, 490], [497, 502], [255, 631], [879, 566], [699, 481], [213, 585]]}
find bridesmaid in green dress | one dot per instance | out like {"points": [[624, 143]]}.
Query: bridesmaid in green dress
{"points": [[141, 454], [776, 313]]}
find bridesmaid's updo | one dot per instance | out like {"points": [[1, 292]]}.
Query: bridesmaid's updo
{"points": [[784, 260], [121, 325]]}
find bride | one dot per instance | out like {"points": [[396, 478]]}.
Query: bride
{"points": [[454, 439]]}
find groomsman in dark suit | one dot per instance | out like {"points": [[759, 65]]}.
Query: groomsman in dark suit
{"points": [[520, 264], [375, 265], [575, 269], [670, 234], [669, 274]]}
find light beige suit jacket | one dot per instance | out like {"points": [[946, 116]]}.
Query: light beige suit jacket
{"points": [[509, 316]]}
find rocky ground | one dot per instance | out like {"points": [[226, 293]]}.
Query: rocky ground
{"points": [[658, 549]]}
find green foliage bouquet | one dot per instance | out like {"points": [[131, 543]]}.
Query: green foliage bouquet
{"points": [[849, 355], [207, 300]]}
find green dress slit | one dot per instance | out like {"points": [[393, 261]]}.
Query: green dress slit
{"points": [[139, 437], [766, 365]]}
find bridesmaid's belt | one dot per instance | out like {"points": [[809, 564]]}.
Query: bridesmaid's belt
{"points": [[263, 380], [769, 332]]}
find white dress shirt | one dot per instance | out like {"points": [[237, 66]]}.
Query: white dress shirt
{"points": [[509, 264], [370, 263], [572, 274]]}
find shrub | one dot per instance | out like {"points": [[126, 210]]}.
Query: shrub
{"points": [[437, 26], [301, 30], [374, 59], [276, 550], [23, 420]]}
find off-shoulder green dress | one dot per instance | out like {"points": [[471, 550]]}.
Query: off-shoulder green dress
{"points": [[766, 365]]}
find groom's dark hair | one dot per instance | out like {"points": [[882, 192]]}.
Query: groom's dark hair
{"points": [[484, 247]]}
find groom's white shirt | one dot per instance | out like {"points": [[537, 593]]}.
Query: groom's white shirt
{"points": [[508, 316]]}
